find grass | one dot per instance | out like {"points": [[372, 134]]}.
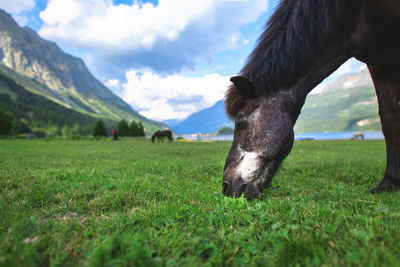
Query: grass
{"points": [[101, 203]]}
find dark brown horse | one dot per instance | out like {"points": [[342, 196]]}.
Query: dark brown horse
{"points": [[161, 134], [304, 42]]}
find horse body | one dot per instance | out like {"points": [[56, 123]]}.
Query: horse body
{"points": [[304, 42], [357, 136], [161, 134]]}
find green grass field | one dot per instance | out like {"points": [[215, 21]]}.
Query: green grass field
{"points": [[100, 203]]}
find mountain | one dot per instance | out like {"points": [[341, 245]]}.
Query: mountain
{"points": [[43, 68], [207, 120], [354, 109], [347, 104]]}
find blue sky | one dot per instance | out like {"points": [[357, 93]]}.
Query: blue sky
{"points": [[166, 58]]}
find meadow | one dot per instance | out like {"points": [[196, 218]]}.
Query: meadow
{"points": [[133, 203]]}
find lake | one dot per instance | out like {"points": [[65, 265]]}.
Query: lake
{"points": [[298, 136]]}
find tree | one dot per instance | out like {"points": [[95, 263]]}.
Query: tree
{"points": [[135, 131], [225, 131], [20, 125], [141, 129], [99, 129], [5, 123], [53, 131], [76, 129], [66, 131], [123, 128]]}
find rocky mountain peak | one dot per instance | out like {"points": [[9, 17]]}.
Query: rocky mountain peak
{"points": [[7, 23]]}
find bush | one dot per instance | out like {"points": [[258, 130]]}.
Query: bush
{"points": [[20, 136], [76, 137]]}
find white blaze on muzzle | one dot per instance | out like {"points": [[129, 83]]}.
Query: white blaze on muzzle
{"points": [[248, 166]]}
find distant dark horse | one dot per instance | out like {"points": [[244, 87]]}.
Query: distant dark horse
{"points": [[161, 134], [357, 136], [304, 42]]}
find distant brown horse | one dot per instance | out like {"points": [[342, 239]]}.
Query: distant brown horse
{"points": [[304, 42], [161, 134], [114, 134]]}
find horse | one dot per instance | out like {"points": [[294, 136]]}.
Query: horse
{"points": [[303, 42], [114, 134], [357, 135], [161, 134]]}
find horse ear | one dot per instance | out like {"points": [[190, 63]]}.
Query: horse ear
{"points": [[245, 86]]}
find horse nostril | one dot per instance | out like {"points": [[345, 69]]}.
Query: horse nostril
{"points": [[240, 189], [225, 188]]}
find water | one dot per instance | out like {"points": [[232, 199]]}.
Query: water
{"points": [[338, 136], [302, 136]]}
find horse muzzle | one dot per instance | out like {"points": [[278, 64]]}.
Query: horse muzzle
{"points": [[237, 187]]}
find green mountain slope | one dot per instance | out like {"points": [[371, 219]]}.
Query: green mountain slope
{"points": [[353, 109], [43, 68], [36, 111]]}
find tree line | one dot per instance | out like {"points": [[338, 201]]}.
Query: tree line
{"points": [[124, 129], [21, 128]]}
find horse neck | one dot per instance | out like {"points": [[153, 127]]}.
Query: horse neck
{"points": [[316, 73], [340, 45]]}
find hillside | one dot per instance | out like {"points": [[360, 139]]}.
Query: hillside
{"points": [[354, 109], [31, 111], [43, 68], [207, 120]]}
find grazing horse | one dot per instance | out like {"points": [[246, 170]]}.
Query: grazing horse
{"points": [[161, 134], [304, 42], [357, 136]]}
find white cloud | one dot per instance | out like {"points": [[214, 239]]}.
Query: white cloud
{"points": [[350, 66], [171, 97], [101, 23], [318, 89], [362, 67], [167, 36], [17, 6], [114, 83]]}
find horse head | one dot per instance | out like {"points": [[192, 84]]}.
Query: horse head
{"points": [[263, 137]]}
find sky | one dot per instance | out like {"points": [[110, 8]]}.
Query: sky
{"points": [[166, 58]]}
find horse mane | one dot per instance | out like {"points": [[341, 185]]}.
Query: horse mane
{"points": [[295, 29], [285, 48]]}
